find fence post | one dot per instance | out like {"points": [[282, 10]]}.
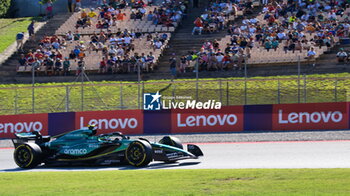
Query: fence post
{"points": [[227, 94], [304, 88], [335, 91], [121, 96], [173, 90], [82, 89], [298, 79], [33, 90], [278, 92], [197, 89], [16, 101], [245, 91], [67, 99], [220, 91], [138, 96], [142, 92]]}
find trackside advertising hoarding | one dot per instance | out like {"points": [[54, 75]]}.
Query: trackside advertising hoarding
{"points": [[282, 117], [11, 124], [310, 116], [349, 114], [125, 121], [226, 119]]}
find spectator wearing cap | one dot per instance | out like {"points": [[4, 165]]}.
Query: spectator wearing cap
{"points": [[58, 67]]}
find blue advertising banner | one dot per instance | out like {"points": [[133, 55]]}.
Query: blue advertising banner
{"points": [[61, 122], [157, 121], [257, 117]]}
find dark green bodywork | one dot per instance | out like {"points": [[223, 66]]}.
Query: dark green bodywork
{"points": [[84, 146]]}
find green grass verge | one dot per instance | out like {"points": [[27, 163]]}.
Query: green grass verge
{"points": [[17, 99], [9, 27], [180, 182]]}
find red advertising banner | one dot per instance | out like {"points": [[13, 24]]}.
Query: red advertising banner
{"points": [[349, 114], [11, 124], [310, 116], [227, 119], [125, 121]]}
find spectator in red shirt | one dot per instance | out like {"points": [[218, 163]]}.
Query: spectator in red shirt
{"points": [[198, 26], [103, 66]]}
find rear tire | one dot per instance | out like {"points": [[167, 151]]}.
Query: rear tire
{"points": [[27, 155], [139, 153]]}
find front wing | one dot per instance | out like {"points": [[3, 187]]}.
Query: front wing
{"points": [[167, 153]]}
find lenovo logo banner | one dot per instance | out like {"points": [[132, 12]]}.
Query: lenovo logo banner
{"points": [[310, 116], [125, 121], [227, 119], [9, 125]]}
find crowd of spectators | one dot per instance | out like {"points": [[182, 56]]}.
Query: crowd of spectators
{"points": [[108, 15], [290, 25], [215, 17], [58, 55], [117, 52]]}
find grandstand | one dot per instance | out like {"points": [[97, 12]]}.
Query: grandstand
{"points": [[220, 44]]}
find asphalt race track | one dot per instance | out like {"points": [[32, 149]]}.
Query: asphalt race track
{"points": [[301, 154]]}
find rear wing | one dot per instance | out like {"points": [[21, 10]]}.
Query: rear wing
{"points": [[35, 136]]}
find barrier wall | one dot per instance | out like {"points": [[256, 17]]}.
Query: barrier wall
{"points": [[310, 116], [281, 117], [227, 119]]}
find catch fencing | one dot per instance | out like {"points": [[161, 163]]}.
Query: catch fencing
{"points": [[90, 96]]}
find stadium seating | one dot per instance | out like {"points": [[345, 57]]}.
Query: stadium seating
{"points": [[129, 24]]}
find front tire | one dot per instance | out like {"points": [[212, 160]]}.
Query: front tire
{"points": [[27, 155], [139, 153]]}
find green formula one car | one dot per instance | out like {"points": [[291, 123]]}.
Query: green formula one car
{"points": [[83, 147]]}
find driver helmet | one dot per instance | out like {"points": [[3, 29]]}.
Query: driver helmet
{"points": [[93, 128]]}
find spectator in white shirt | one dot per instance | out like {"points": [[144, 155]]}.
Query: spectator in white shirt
{"points": [[342, 55], [219, 57], [281, 35], [127, 39], [69, 36], [157, 44], [112, 51], [113, 40], [120, 51], [311, 56]]}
